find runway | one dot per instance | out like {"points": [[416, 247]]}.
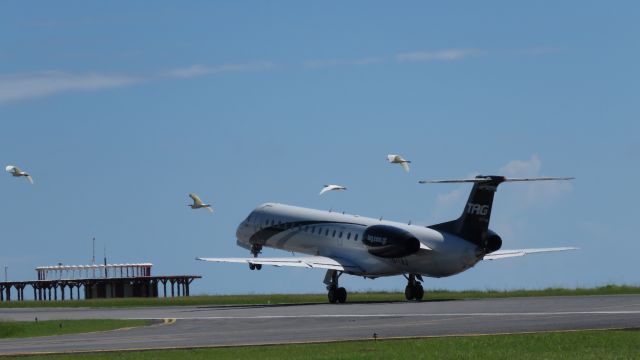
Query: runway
{"points": [[204, 326]]}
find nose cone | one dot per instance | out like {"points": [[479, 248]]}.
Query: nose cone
{"points": [[241, 230]]}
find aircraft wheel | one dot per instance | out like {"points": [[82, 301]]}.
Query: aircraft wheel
{"points": [[258, 266], [418, 292], [332, 295], [409, 292], [252, 266], [341, 295]]}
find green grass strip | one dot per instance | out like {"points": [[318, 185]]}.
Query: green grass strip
{"points": [[23, 329], [260, 299], [609, 344]]}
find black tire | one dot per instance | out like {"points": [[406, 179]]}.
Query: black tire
{"points": [[252, 266], [342, 295], [418, 292], [333, 297], [258, 266], [409, 292]]}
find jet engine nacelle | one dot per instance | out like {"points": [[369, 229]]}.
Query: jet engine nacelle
{"points": [[389, 241], [493, 242]]}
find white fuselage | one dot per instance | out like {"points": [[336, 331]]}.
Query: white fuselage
{"points": [[340, 236]]}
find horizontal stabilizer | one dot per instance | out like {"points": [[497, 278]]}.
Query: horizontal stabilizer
{"points": [[489, 179], [503, 254]]}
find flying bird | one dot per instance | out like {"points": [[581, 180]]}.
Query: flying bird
{"points": [[331, 187], [397, 159], [15, 171], [198, 204]]}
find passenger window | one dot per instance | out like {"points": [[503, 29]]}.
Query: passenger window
{"points": [[348, 236], [326, 232], [313, 229], [340, 237], [334, 233], [355, 237]]}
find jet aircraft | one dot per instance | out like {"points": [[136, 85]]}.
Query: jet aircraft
{"points": [[351, 244]]}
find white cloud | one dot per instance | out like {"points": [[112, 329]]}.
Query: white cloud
{"points": [[21, 87], [536, 191], [18, 87], [542, 50], [202, 70], [439, 55], [521, 168], [342, 62], [448, 205]]}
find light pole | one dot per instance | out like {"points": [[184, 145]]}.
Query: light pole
{"points": [[6, 277]]}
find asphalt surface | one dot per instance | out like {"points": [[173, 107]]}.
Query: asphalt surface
{"points": [[204, 326]]}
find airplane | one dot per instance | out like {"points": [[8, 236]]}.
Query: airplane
{"points": [[368, 247]]}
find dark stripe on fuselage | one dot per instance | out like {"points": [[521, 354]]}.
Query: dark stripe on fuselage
{"points": [[261, 236]]}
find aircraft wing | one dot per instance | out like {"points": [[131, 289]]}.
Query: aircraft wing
{"points": [[502, 254], [319, 262]]}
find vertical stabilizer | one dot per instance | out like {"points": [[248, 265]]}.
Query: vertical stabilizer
{"points": [[473, 224]]}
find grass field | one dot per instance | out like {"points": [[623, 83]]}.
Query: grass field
{"points": [[430, 295], [21, 329], [609, 344]]}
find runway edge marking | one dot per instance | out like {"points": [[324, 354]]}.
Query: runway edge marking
{"points": [[380, 338]]}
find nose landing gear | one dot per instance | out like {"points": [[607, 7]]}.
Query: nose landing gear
{"points": [[414, 289], [335, 293], [256, 249]]}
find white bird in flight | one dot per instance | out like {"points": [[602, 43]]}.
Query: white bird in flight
{"points": [[397, 159], [198, 204], [331, 187], [15, 171]]}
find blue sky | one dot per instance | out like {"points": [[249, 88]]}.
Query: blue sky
{"points": [[119, 110]]}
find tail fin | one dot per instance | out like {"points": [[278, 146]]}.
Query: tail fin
{"points": [[473, 224]]}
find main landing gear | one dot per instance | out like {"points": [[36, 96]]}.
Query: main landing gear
{"points": [[335, 294], [414, 290], [256, 249]]}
